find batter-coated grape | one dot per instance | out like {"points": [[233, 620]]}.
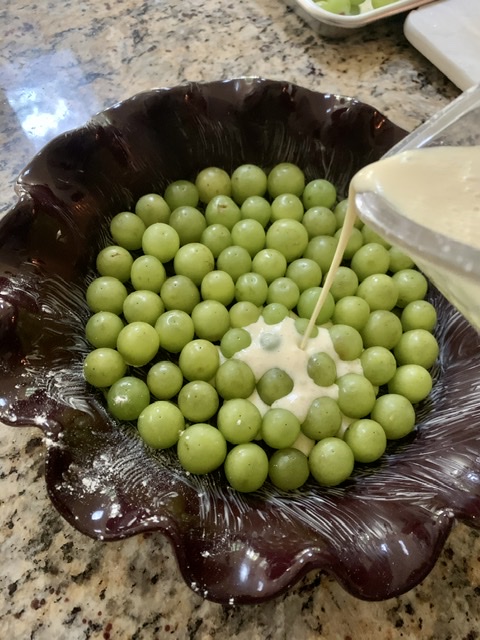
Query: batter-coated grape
{"points": [[246, 467], [274, 384], [201, 448], [288, 469], [321, 369], [198, 401], [323, 419], [160, 424], [331, 461], [234, 340]]}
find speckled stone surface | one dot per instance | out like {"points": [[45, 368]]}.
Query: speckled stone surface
{"points": [[61, 62]]}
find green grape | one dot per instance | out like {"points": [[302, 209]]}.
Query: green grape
{"points": [[106, 294], [239, 420], [323, 419], [198, 401], [305, 273], [308, 300], [103, 366], [161, 240], [102, 329], [322, 369], [351, 310], [234, 379], [244, 313], [319, 221], [284, 291], [248, 234], [367, 439], [248, 180], [127, 230], [160, 424], [127, 398], [370, 259], [234, 340], [164, 379], [383, 328], [181, 193], [143, 306], [289, 237], [412, 381], [287, 205], [199, 360], [194, 260], [347, 341], [148, 273], [235, 261], [138, 343], [201, 448], [396, 415], [321, 249], [345, 283], [331, 461], [152, 208], [257, 208], [399, 260], [179, 292], [412, 285], [319, 193], [378, 364], [369, 235], [356, 395], [189, 223], [175, 329], [251, 287], [274, 312], [217, 238], [211, 182], [417, 346], [285, 177], [274, 384], [280, 428], [223, 210], [218, 285], [288, 469], [246, 467], [379, 290], [355, 241], [419, 314], [211, 320], [270, 264], [114, 261], [270, 341], [340, 213]]}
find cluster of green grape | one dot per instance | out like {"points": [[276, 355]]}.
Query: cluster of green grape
{"points": [[351, 7], [190, 270]]}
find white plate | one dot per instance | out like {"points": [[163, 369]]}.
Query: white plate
{"points": [[332, 24], [447, 32]]}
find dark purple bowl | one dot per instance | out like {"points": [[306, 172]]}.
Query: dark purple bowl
{"points": [[380, 533]]}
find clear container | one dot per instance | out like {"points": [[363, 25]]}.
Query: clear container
{"points": [[452, 266]]}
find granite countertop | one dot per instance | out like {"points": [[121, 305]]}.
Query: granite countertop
{"points": [[61, 62]]}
